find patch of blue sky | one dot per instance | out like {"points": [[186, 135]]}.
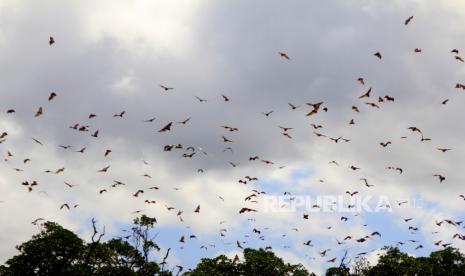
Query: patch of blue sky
{"points": [[393, 230], [279, 187]]}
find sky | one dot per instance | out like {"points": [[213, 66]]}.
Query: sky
{"points": [[113, 56]]}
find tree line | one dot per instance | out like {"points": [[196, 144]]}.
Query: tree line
{"points": [[58, 251]]}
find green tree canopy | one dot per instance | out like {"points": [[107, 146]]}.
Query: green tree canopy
{"points": [[58, 251], [54, 251], [448, 261], [256, 262]]}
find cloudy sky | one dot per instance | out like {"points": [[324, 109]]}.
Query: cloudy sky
{"points": [[112, 56]]}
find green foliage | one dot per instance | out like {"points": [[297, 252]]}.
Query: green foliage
{"points": [[220, 265], [54, 251], [145, 221], [394, 262], [58, 251], [337, 271], [262, 262], [447, 262], [141, 235], [257, 262], [117, 257]]}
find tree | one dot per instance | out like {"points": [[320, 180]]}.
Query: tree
{"points": [[360, 266], [444, 262], [262, 262], [58, 251], [337, 271], [141, 235], [220, 265], [395, 262], [256, 262], [447, 262], [118, 257], [54, 251]]}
